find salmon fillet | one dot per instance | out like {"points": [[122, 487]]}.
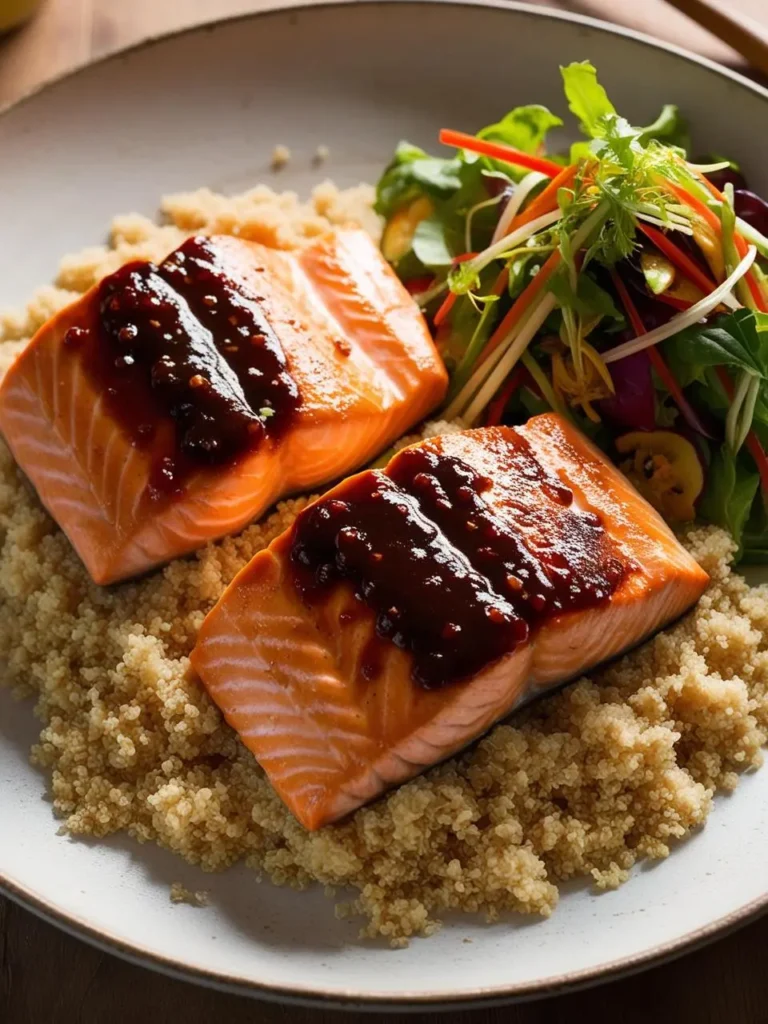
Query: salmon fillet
{"points": [[171, 405], [410, 608]]}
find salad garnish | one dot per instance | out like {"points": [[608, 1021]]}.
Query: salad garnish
{"points": [[619, 283]]}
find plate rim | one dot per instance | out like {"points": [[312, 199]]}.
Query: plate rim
{"points": [[349, 999], [310, 995], [276, 7]]}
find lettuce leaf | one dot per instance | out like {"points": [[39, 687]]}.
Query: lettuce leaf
{"points": [[443, 235], [454, 187], [738, 340], [589, 300], [525, 128], [755, 536], [432, 244], [520, 272], [412, 173], [597, 116], [587, 99], [730, 493], [670, 127]]}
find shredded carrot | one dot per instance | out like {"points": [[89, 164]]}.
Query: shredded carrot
{"points": [[669, 381], [631, 309], [522, 303], [450, 299], [754, 446], [708, 184], [706, 214], [756, 292], [417, 285], [680, 259], [709, 215], [501, 282], [657, 360], [497, 406], [546, 201], [499, 151], [695, 204], [711, 218], [674, 302], [445, 308]]}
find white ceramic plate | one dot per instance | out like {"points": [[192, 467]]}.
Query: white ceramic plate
{"points": [[207, 107]]}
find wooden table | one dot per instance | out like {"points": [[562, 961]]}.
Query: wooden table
{"points": [[47, 977]]}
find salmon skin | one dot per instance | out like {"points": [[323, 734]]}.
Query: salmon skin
{"points": [[173, 404], [410, 608]]}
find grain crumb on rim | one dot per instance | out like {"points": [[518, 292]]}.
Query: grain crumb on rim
{"points": [[608, 771], [281, 156], [179, 893]]}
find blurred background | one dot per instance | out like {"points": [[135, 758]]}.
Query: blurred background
{"points": [[62, 33]]}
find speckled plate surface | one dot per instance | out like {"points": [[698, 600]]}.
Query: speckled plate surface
{"points": [[207, 107]]}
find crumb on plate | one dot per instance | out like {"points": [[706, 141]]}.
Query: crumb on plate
{"points": [[180, 894], [280, 157]]}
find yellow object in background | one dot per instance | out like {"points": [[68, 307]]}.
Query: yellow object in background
{"points": [[14, 12]]}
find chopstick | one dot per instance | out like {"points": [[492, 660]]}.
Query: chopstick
{"points": [[745, 35]]}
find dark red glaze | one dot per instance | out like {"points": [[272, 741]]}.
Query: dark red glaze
{"points": [[456, 571], [242, 333], [184, 345]]}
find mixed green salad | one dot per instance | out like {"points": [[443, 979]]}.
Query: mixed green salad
{"points": [[621, 284]]}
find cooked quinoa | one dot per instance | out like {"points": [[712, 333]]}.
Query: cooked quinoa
{"points": [[609, 770]]}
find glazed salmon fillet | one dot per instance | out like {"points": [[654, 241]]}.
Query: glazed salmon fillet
{"points": [[172, 405], [410, 608]]}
